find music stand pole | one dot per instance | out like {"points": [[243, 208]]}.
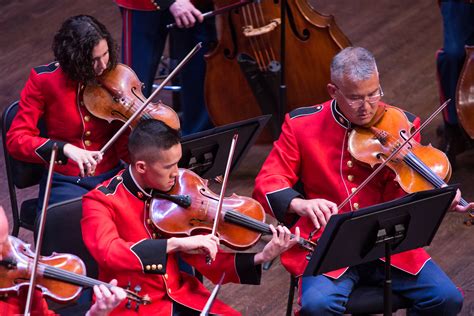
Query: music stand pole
{"points": [[387, 287], [383, 238]]}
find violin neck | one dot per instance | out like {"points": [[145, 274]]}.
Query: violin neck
{"points": [[240, 219], [70, 277], [82, 280]]}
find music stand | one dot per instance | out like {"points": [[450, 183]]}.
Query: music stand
{"points": [[206, 152], [379, 231]]}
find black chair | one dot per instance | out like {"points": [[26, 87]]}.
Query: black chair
{"points": [[63, 234], [20, 175], [364, 300]]}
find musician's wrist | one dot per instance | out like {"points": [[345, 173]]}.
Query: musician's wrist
{"points": [[173, 245], [259, 258], [294, 204]]}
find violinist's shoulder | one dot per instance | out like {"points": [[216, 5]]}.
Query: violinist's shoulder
{"points": [[410, 116], [49, 68], [305, 111], [110, 187]]}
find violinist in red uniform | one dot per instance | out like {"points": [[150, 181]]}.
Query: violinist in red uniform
{"points": [[14, 303], [144, 36], [83, 49], [313, 149], [119, 234]]}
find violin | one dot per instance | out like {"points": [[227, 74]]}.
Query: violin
{"points": [[417, 167], [59, 276], [118, 95], [190, 208]]}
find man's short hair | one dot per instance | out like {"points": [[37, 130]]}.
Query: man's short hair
{"points": [[353, 63], [149, 137]]}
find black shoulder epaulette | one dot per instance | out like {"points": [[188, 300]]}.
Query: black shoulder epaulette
{"points": [[47, 68], [410, 116], [305, 111], [113, 184]]}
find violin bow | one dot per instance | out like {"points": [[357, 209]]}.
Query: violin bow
{"points": [[39, 240], [147, 101], [395, 152], [212, 297], [223, 188], [218, 11]]}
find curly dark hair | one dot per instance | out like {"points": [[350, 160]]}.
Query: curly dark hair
{"points": [[73, 45]]}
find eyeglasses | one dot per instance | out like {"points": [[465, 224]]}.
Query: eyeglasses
{"points": [[359, 101]]}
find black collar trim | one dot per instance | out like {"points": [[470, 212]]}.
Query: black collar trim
{"points": [[133, 187], [338, 116]]}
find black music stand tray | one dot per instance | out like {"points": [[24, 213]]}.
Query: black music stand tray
{"points": [[379, 231], [206, 152]]}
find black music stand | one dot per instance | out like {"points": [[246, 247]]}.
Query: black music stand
{"points": [[206, 152], [379, 231]]}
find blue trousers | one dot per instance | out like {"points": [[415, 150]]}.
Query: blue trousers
{"points": [[431, 291], [458, 31], [144, 36], [64, 188]]}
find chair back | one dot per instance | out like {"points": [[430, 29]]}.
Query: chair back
{"points": [[24, 174], [63, 234], [20, 174]]}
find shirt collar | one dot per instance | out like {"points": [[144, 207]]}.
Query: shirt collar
{"points": [[338, 116], [133, 187]]}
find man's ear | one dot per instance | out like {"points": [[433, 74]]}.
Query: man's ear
{"points": [[332, 90], [140, 166]]}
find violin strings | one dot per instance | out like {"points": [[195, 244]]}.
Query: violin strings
{"points": [[259, 226], [417, 164], [77, 279], [246, 221], [413, 161], [60, 274]]}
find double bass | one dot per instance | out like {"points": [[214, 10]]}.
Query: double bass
{"points": [[248, 54], [465, 93]]}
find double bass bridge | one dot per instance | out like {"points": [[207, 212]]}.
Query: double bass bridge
{"points": [[250, 31]]}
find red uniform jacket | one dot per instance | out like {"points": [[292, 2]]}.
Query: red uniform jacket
{"points": [[119, 235], [51, 95], [144, 5], [15, 304], [312, 148]]}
